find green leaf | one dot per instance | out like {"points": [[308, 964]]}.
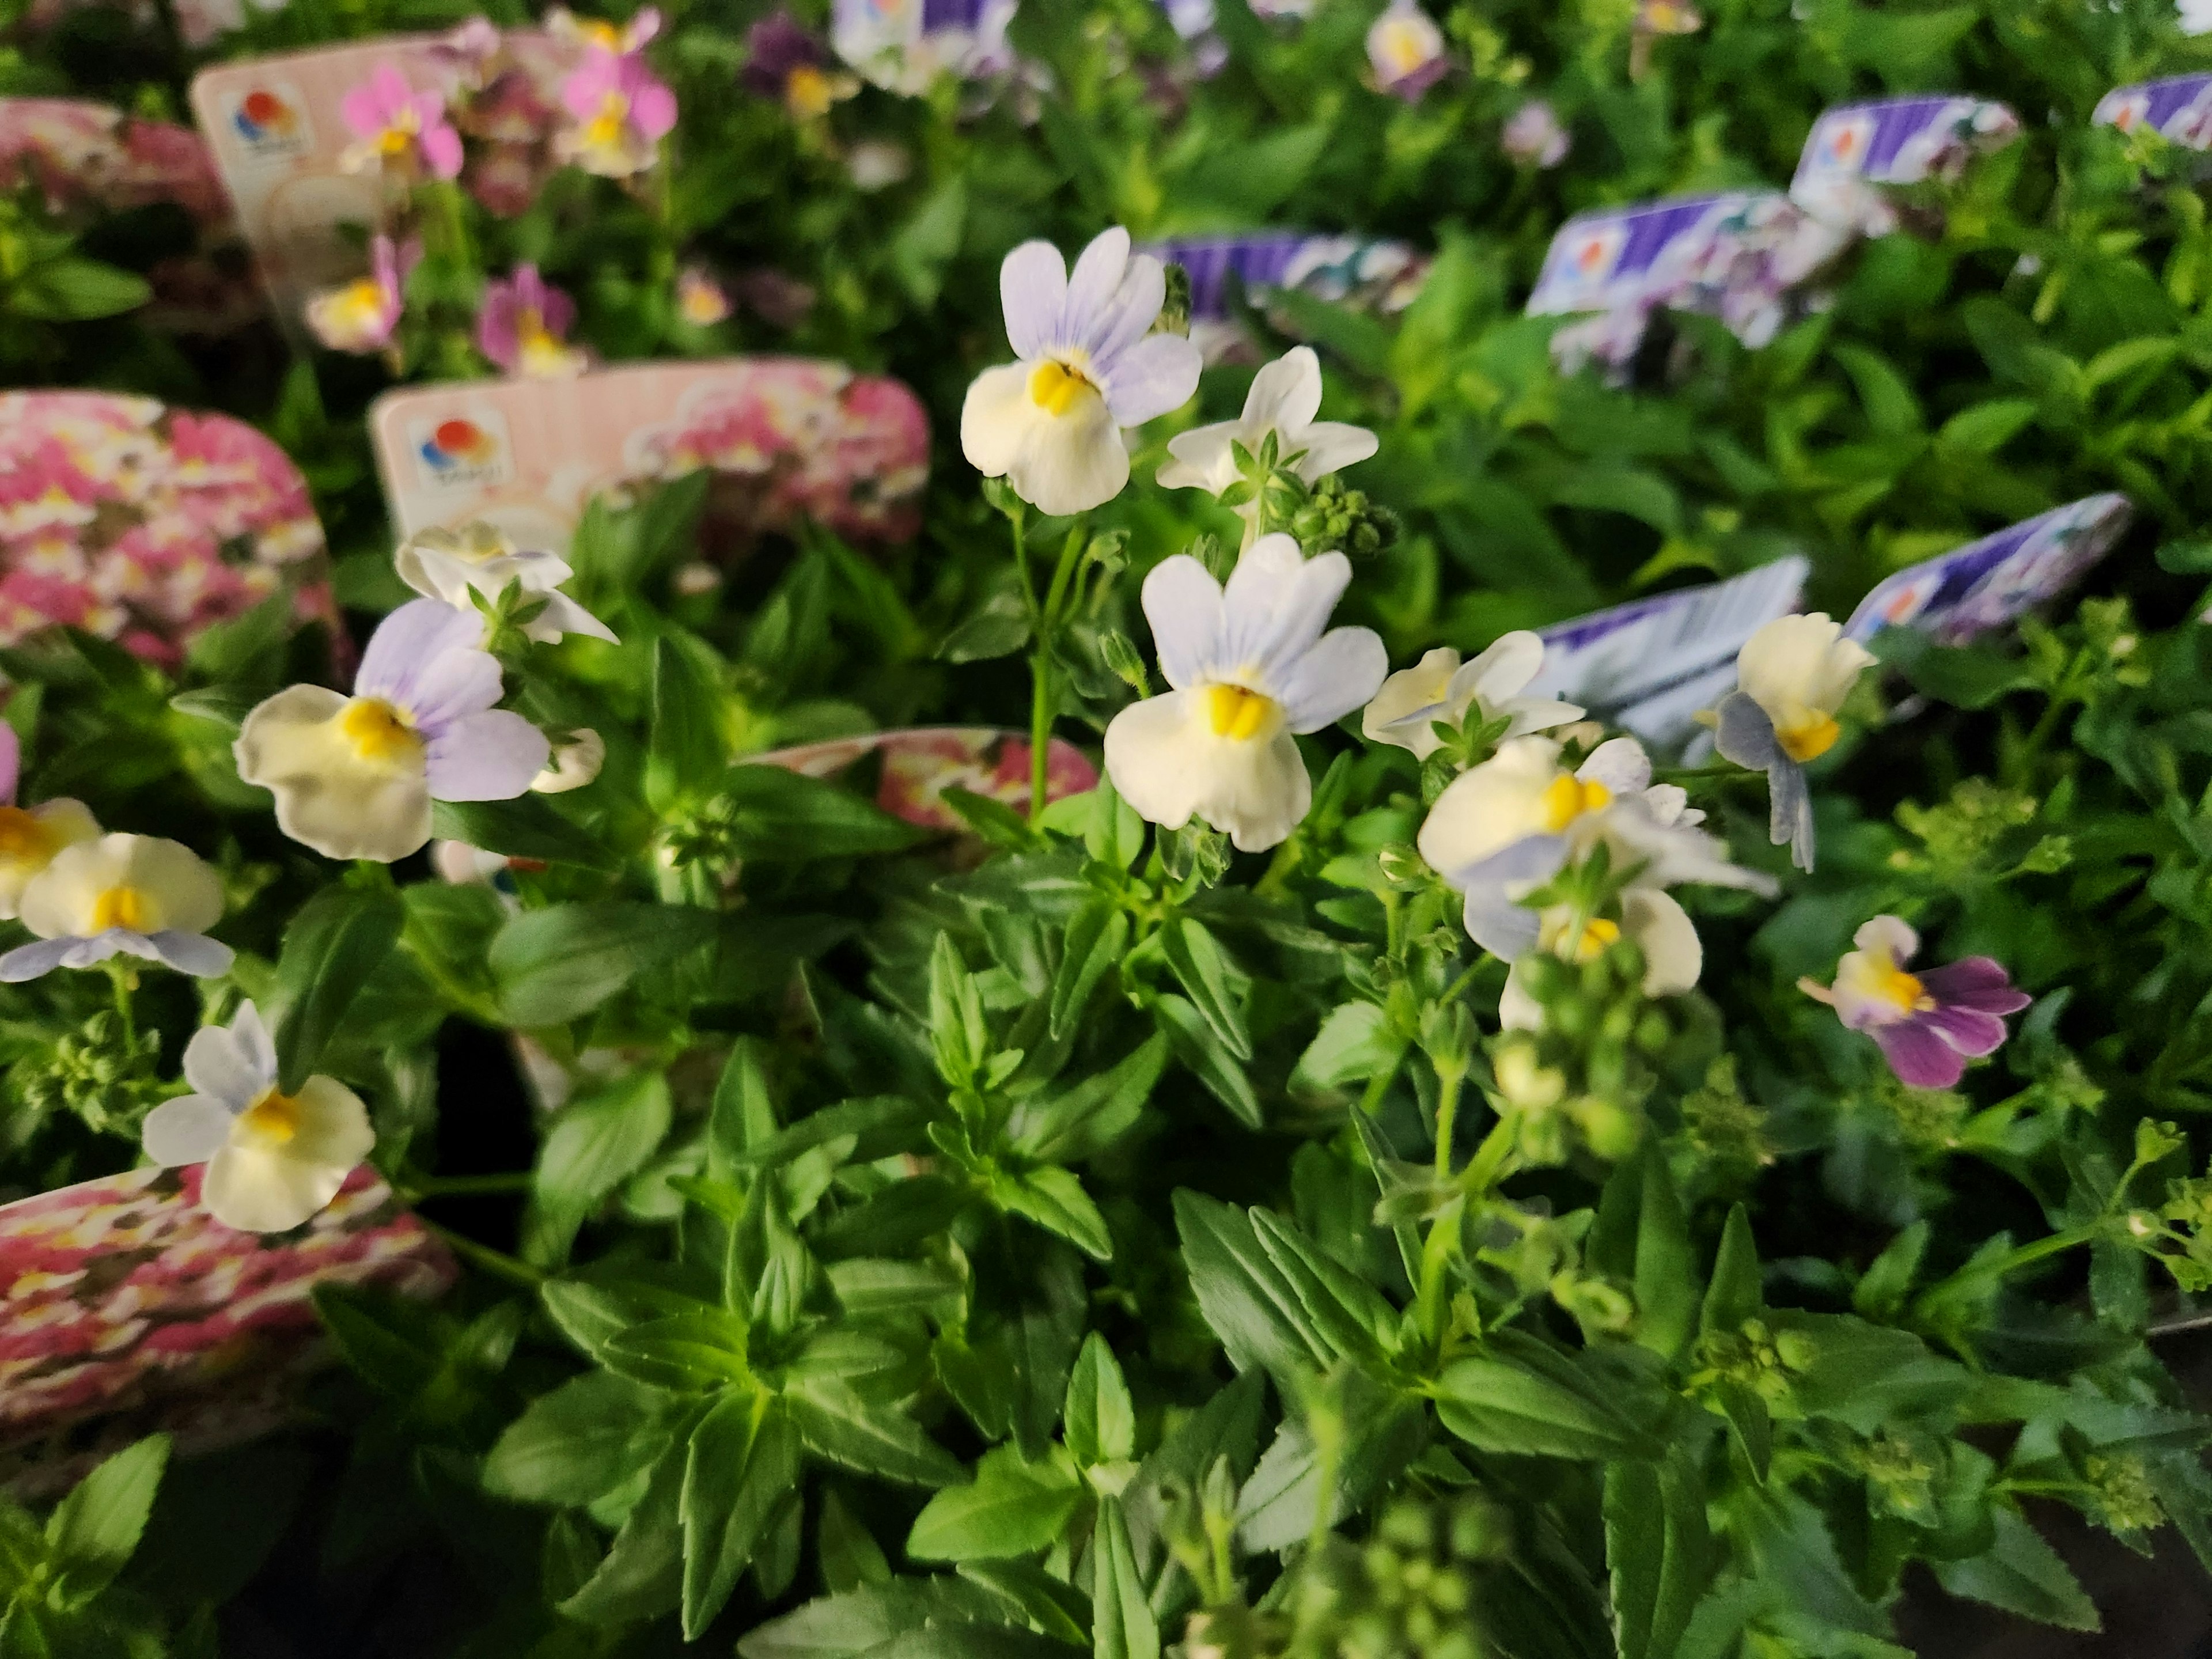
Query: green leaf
{"points": [[1532, 1402], [958, 1036], [835, 1423], [527, 827], [1121, 1622], [1642, 1235], [1355, 1042], [1115, 833], [1217, 986], [1097, 936], [1252, 1307], [1081, 1121], [1100, 1420], [1209, 1059], [742, 1121], [742, 1461], [1966, 677], [642, 1574], [93, 1531], [333, 943], [1657, 1550], [2021, 1574], [690, 1352], [871, 1617], [580, 1442], [1012, 1507], [1054, 1607], [75, 289], [595, 1145], [558, 965], [1055, 1200], [997, 627], [1734, 1295], [1751, 1423], [1891, 409], [777, 816], [1881, 1289], [686, 755], [1986, 427], [848, 1551]]}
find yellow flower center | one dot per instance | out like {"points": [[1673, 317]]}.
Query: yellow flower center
{"points": [[395, 139], [379, 731], [1894, 986], [1807, 735], [1569, 798], [274, 1119], [604, 130], [360, 301], [126, 907], [1597, 933], [23, 839], [1404, 48], [806, 90], [1239, 713], [1058, 387]]}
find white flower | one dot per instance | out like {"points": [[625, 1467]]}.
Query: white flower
{"points": [[1285, 398], [1050, 424], [577, 758], [1506, 827], [1661, 928], [273, 1159], [131, 895], [29, 838], [1251, 666], [354, 777], [1440, 688], [448, 564], [1792, 677]]}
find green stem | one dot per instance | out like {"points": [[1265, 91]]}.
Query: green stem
{"points": [[1973, 1276], [1448, 1085], [475, 1186], [495, 1262], [124, 979], [1041, 704]]}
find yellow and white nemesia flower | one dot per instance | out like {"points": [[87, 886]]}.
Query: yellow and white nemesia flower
{"points": [[1441, 688], [273, 1159], [1506, 828], [1251, 666], [447, 564], [1051, 423], [1649, 919], [1792, 677], [120, 894], [1285, 398], [30, 837]]}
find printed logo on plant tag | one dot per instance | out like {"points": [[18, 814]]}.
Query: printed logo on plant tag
{"points": [[268, 121], [1839, 142], [1651, 665], [468, 450], [2179, 108], [1981, 587]]}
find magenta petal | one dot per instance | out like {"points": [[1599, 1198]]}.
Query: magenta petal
{"points": [[1967, 1030], [362, 112], [441, 148], [11, 763], [653, 111], [1978, 982], [1918, 1056]]}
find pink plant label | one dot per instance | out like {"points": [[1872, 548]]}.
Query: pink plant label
{"points": [[146, 525], [125, 1308], [919, 765], [785, 438]]}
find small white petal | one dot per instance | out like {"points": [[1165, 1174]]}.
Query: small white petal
{"points": [[1672, 957], [995, 418], [224, 1065], [190, 1130], [1286, 394], [329, 795], [1166, 761], [1503, 671], [1410, 702], [1277, 602], [1201, 459], [1033, 291], [1341, 672], [1183, 604], [1491, 806]]}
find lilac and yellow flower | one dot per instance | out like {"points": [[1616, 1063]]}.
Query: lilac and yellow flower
{"points": [[1405, 50], [621, 112], [1251, 667], [354, 777], [31, 837], [596, 34], [1792, 676], [361, 316], [1534, 136], [120, 894], [786, 60], [1441, 688], [700, 300], [523, 326], [1929, 1024], [1284, 400], [273, 1159], [1089, 365], [399, 129], [450, 566]]}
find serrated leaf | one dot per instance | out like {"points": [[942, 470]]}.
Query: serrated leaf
{"points": [[1012, 1507]]}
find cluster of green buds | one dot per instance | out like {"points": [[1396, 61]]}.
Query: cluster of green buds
{"points": [[1409, 1591], [1927, 1121], [1900, 1466], [1726, 1131], [1336, 518], [2184, 1243], [107, 1076], [1754, 1356], [2122, 1498], [1582, 1080], [1979, 834]]}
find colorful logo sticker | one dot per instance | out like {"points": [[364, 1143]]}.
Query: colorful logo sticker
{"points": [[1843, 144], [270, 120], [1987, 585], [460, 449]]}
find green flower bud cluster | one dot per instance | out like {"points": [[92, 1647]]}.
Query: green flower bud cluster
{"points": [[1582, 1080], [1928, 1120], [1726, 1131], [1755, 1356], [1336, 518], [2124, 1500], [1900, 1468], [1408, 1592], [1961, 837], [2187, 1213], [106, 1077]]}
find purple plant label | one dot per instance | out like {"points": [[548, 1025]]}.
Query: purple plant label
{"points": [[1981, 587], [1686, 254], [1651, 665], [2177, 108], [906, 45], [1379, 275], [1900, 141]]}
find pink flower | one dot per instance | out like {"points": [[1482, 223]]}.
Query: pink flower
{"points": [[523, 326], [396, 124], [1929, 1024], [505, 177], [1534, 136], [700, 300], [596, 33], [361, 316], [621, 112], [1405, 50]]}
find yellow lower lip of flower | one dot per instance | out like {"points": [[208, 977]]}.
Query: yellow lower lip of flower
{"points": [[1597, 933], [806, 90], [604, 130], [1903, 989], [274, 1119], [377, 731], [395, 141], [124, 907], [1057, 387], [1808, 737], [1568, 797], [1236, 712], [23, 839]]}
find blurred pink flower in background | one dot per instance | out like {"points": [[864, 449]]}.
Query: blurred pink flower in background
{"points": [[1534, 136], [397, 126], [361, 315], [622, 112], [700, 300], [523, 326]]}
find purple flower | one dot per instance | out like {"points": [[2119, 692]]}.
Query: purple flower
{"points": [[1929, 1024], [777, 47], [396, 124], [622, 112], [523, 326], [1534, 136]]}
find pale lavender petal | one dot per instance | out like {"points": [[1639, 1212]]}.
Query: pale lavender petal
{"points": [[190, 1130], [1507, 930], [1125, 319], [1033, 291], [1342, 672], [1978, 982], [1157, 374], [407, 640], [188, 953], [1620, 765], [1791, 819], [451, 687], [1745, 734], [30, 961], [1276, 605], [1183, 602], [229, 1064], [1531, 859], [1092, 285], [1918, 1056], [1967, 1030], [488, 756]]}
